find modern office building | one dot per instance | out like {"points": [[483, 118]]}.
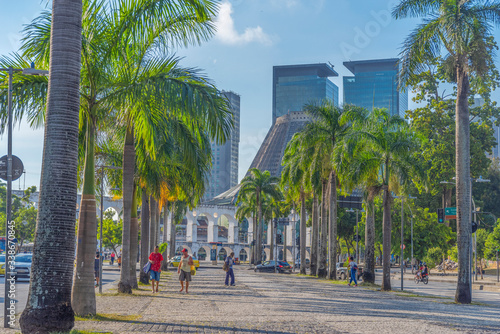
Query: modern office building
{"points": [[375, 84], [224, 174], [296, 85], [293, 87]]}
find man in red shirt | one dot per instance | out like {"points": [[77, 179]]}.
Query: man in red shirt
{"points": [[154, 274]]}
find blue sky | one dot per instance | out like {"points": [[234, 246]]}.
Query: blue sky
{"points": [[252, 37]]}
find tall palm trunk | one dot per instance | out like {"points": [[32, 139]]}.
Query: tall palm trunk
{"points": [[124, 285], [172, 231], [462, 152], [164, 264], [260, 234], [322, 270], [49, 301], [152, 233], [315, 236], [369, 268], [83, 293], [302, 233], [253, 260], [134, 240], [386, 243], [332, 242], [144, 278], [270, 231]]}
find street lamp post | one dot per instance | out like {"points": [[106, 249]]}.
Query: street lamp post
{"points": [[294, 237], [26, 71]]}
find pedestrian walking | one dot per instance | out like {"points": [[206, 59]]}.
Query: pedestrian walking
{"points": [[154, 274], [229, 273], [96, 269], [354, 267], [112, 258], [184, 269]]}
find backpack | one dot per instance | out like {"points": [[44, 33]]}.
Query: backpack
{"points": [[225, 266]]}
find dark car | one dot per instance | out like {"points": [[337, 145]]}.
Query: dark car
{"points": [[22, 266], [268, 266]]}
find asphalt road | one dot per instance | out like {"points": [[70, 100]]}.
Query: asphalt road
{"points": [[22, 289]]}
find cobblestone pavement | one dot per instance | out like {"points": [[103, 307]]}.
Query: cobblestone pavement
{"points": [[269, 303]]}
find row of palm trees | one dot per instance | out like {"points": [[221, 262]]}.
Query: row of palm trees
{"points": [[138, 109], [341, 148]]}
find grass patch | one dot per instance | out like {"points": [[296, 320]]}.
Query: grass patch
{"points": [[109, 317], [143, 284], [414, 295], [302, 275]]}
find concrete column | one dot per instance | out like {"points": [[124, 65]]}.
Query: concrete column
{"points": [[289, 235], [168, 226], [232, 232], [192, 230], [269, 233], [250, 232], [308, 237], [213, 232]]}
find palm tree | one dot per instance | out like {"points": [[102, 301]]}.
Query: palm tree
{"points": [[392, 146], [463, 29], [294, 183], [327, 130], [49, 303], [247, 208], [259, 184]]}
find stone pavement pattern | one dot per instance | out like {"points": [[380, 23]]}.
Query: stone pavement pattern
{"points": [[269, 303]]}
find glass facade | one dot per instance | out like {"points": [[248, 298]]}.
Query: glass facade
{"points": [[375, 85], [297, 85]]}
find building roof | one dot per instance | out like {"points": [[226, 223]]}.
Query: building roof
{"points": [[319, 69], [228, 197], [371, 65]]}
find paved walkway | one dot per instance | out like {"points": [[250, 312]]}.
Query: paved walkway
{"points": [[269, 303]]}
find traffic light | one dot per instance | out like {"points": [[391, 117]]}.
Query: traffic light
{"points": [[279, 239], [474, 227], [440, 216]]}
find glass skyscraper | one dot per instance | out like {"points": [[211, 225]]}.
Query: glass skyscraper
{"points": [[297, 85], [375, 84], [224, 173]]}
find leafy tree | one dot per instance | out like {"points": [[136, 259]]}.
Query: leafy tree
{"points": [[492, 244], [434, 257], [111, 232]]}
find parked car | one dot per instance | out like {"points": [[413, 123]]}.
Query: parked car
{"points": [[22, 266], [268, 266], [174, 262]]}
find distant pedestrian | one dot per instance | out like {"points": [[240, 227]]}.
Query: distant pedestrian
{"points": [[154, 274], [354, 267], [96, 269], [112, 258], [184, 269], [229, 273]]}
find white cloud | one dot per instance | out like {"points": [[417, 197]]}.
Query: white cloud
{"points": [[226, 32]]}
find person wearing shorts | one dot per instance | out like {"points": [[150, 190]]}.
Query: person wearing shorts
{"points": [[184, 269], [154, 274]]}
